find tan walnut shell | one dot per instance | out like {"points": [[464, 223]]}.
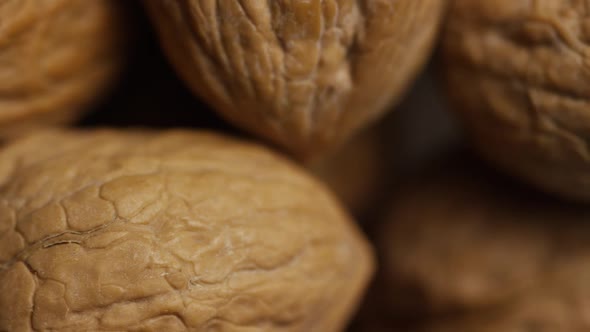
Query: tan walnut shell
{"points": [[304, 74], [518, 72], [170, 231], [56, 59], [483, 252]]}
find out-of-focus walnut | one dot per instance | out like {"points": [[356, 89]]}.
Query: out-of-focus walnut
{"points": [[174, 231], [561, 305], [304, 74], [356, 172], [465, 240], [56, 58], [541, 312], [518, 72]]}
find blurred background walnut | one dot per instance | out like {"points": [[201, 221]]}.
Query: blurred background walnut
{"points": [[57, 58], [553, 310], [465, 244], [173, 231], [303, 74], [518, 72]]}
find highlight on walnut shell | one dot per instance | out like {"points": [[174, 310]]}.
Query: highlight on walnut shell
{"points": [[518, 73], [302, 74], [174, 231], [56, 59], [465, 246]]}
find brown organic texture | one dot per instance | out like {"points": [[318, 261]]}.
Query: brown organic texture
{"points": [[539, 313], [356, 172], [561, 306], [304, 74], [171, 231], [56, 58], [465, 240], [519, 74]]}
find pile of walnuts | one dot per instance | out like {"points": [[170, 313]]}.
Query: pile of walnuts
{"points": [[230, 165]]}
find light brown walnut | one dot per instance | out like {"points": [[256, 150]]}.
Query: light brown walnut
{"points": [[466, 241], [57, 57], [170, 231], [303, 74], [518, 72]]}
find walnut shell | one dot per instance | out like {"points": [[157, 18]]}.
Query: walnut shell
{"points": [[519, 75], [171, 231], [303, 74], [467, 240], [56, 58]]}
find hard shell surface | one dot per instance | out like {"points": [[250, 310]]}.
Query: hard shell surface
{"points": [[466, 240], [518, 72], [170, 231], [303, 74], [56, 58]]}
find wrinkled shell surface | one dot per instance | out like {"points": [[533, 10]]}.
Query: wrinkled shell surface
{"points": [[464, 240], [304, 74], [174, 231], [56, 58], [519, 74]]}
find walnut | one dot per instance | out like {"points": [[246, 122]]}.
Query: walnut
{"points": [[519, 75], [540, 312], [466, 240], [303, 74], [560, 305], [170, 231], [56, 58]]}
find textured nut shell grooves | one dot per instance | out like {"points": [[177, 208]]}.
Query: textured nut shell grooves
{"points": [[304, 74], [519, 75], [56, 58], [176, 231]]}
